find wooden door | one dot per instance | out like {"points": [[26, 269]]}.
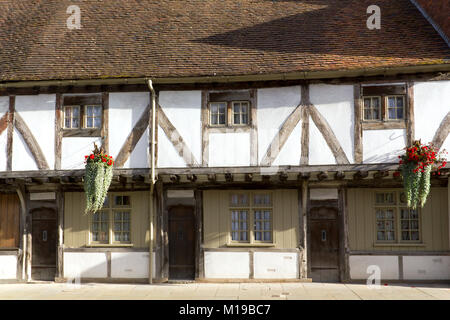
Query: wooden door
{"points": [[44, 230], [324, 244], [9, 221], [181, 243]]}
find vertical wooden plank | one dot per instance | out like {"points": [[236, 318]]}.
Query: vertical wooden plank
{"points": [[59, 118], [10, 133], [198, 237], [105, 121], [254, 128], [304, 158], [60, 257], [357, 135], [205, 133], [306, 261], [410, 125]]}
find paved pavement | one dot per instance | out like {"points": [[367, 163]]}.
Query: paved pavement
{"points": [[229, 291]]}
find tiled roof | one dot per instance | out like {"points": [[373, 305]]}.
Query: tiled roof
{"points": [[186, 38]]}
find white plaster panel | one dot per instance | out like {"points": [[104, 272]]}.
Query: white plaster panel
{"points": [[125, 110], [223, 265], [431, 105], [85, 264], [4, 105], [336, 104], [274, 107], [381, 146], [3, 144], [22, 159], [168, 157], [8, 267], [38, 112], [291, 152], [387, 264], [130, 264], [426, 267], [323, 194], [319, 152], [73, 150], [183, 109], [229, 149], [275, 265]]}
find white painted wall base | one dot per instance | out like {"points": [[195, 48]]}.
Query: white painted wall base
{"points": [[222, 265], [131, 265], [236, 265], [414, 267], [388, 266], [426, 267], [85, 264], [275, 265], [8, 267]]}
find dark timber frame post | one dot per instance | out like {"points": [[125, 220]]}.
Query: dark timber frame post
{"points": [[58, 130], [199, 261], [10, 133], [358, 145], [21, 261], [343, 235], [305, 265], [410, 132], [60, 247]]}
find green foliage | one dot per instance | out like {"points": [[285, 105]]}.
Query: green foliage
{"points": [[97, 180], [411, 183]]}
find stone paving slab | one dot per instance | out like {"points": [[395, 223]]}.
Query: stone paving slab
{"points": [[212, 291]]}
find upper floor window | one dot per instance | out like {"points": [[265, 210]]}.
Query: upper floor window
{"points": [[383, 103], [395, 222], [230, 108], [82, 115]]}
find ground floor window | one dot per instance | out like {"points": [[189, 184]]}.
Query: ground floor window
{"points": [[112, 224], [251, 217], [395, 222]]}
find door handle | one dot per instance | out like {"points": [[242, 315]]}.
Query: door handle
{"points": [[44, 235]]}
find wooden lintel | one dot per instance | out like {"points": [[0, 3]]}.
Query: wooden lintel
{"points": [[9, 181], [265, 178]]}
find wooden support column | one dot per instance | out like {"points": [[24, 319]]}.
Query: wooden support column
{"points": [[357, 135], [105, 122], [410, 130], [254, 128], [21, 268], [10, 133], [304, 265], [199, 259], [343, 235], [60, 253], [58, 130], [205, 132], [165, 239]]}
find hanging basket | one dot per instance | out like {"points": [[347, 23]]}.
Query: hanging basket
{"points": [[97, 179], [416, 167]]}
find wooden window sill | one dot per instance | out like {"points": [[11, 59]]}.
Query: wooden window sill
{"points": [[81, 132], [116, 245], [382, 125], [254, 245], [399, 244]]}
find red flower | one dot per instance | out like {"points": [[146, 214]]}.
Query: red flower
{"points": [[92, 156]]}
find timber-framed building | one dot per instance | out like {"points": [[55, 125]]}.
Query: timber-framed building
{"points": [[253, 140]]}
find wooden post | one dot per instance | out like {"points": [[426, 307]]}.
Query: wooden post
{"points": [[358, 145], [60, 252], [199, 261], [343, 235], [10, 133], [305, 261], [105, 121], [21, 270], [254, 129], [58, 130], [410, 132]]}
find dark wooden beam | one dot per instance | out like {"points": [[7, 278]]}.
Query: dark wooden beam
{"points": [[442, 132], [357, 134], [283, 176], [322, 176], [10, 133], [58, 130], [381, 174], [360, 175], [303, 176]]}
